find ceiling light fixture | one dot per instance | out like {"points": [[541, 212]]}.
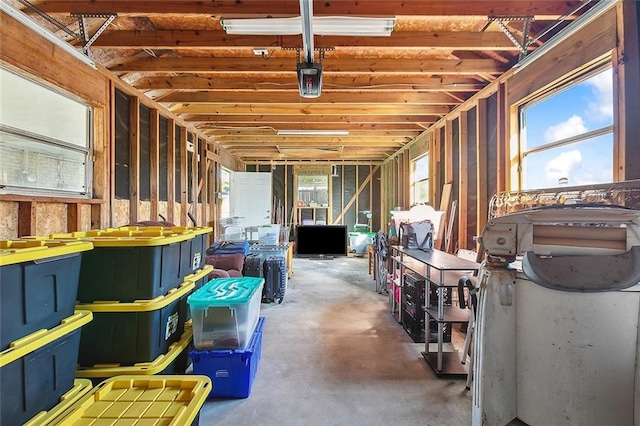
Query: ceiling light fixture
{"points": [[313, 133], [322, 25]]}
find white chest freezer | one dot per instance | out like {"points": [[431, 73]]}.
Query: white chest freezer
{"points": [[557, 342]]}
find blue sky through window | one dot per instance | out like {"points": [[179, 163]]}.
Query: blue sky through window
{"points": [[581, 108]]}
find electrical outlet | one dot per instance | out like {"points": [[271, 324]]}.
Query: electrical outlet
{"points": [[260, 52]]}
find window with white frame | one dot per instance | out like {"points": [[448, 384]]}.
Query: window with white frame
{"points": [[420, 180], [567, 136], [45, 140]]}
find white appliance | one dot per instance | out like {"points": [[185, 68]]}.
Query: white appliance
{"points": [[557, 341]]}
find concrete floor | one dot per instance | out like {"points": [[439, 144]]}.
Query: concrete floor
{"points": [[333, 355]]}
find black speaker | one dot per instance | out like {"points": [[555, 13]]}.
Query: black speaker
{"points": [[310, 79]]}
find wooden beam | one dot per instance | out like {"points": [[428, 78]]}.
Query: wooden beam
{"points": [[288, 66], [330, 83], [154, 154], [212, 39], [27, 219], [362, 130], [310, 140], [482, 207], [184, 186], [215, 98], [628, 93], [463, 179], [134, 159], [171, 169], [539, 9], [351, 120], [308, 109], [74, 217]]}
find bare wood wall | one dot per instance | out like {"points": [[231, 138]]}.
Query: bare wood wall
{"points": [[494, 133], [22, 51]]}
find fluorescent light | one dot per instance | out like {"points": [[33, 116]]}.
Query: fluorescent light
{"points": [[313, 132], [322, 25], [346, 25], [45, 33]]}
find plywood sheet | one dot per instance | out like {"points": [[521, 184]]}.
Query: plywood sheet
{"points": [[144, 211], [8, 220], [162, 208], [121, 212], [85, 217], [51, 218], [177, 213]]}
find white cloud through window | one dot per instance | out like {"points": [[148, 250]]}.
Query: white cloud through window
{"points": [[563, 166], [575, 125]]}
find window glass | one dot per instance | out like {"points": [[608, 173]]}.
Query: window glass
{"points": [[420, 180], [567, 137], [45, 139]]}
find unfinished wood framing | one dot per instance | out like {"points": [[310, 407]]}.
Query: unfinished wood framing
{"points": [[134, 159], [154, 148]]}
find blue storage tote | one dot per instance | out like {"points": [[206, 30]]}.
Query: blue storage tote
{"points": [[38, 285], [37, 370], [129, 333], [225, 312], [232, 372]]}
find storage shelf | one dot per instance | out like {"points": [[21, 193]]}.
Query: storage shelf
{"points": [[451, 365], [450, 278], [451, 314]]}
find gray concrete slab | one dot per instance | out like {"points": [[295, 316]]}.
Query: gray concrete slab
{"points": [[333, 355]]}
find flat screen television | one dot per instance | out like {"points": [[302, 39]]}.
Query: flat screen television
{"points": [[321, 240]]}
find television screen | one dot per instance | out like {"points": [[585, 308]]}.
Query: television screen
{"points": [[325, 240]]}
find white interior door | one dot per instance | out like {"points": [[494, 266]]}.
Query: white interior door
{"points": [[250, 195]]}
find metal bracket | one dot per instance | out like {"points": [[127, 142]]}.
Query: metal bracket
{"points": [[319, 49], [525, 32], [84, 33]]}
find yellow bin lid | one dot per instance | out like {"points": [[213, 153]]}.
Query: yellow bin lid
{"points": [[18, 251], [140, 305], [161, 400], [37, 339]]}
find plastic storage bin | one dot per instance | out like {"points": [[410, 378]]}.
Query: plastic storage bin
{"points": [[38, 369], [358, 241], [80, 388], [277, 250], [38, 285], [128, 265], [269, 234], [175, 361], [128, 333], [128, 400], [225, 312], [231, 371]]}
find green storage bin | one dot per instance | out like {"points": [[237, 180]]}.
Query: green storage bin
{"points": [[225, 312]]}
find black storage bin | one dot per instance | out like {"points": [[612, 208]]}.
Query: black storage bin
{"points": [[38, 285], [193, 251], [45, 370], [130, 333]]}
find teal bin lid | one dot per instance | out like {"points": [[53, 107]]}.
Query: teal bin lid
{"points": [[225, 291]]}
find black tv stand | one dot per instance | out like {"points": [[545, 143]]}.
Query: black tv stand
{"points": [[321, 257]]}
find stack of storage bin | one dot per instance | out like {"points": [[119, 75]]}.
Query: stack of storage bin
{"points": [[39, 327], [227, 334], [136, 282]]}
